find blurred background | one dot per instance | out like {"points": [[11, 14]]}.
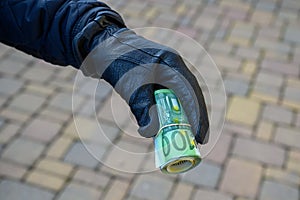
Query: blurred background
{"points": [[256, 46]]}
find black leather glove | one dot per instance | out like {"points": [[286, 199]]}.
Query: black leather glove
{"points": [[136, 67]]}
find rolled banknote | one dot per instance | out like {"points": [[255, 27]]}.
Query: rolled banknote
{"points": [[175, 146]]}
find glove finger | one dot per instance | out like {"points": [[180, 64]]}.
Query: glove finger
{"points": [[187, 89]]}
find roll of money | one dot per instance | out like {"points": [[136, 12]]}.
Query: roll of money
{"points": [[175, 146]]}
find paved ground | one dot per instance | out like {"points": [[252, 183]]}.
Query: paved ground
{"points": [[256, 45]]}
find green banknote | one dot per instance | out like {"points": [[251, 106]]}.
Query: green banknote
{"points": [[175, 147]]}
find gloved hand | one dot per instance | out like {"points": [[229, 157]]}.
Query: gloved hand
{"points": [[136, 67]]}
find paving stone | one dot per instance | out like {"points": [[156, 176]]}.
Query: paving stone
{"points": [[55, 167], [276, 56], [12, 190], [261, 17], [11, 67], [99, 88], [291, 5], [79, 155], [182, 191], [236, 87], [293, 166], [119, 173], [235, 13], [244, 6], [220, 47], [27, 102], [265, 93], [243, 29], [3, 100], [75, 191], [39, 89], [298, 120], [241, 178], [277, 114], [293, 82], [130, 134], [11, 170], [20, 57], [126, 157], [64, 86], [45, 180], [268, 6], [66, 101], [272, 44], [293, 162], [287, 15], [281, 175], [240, 41], [287, 136], [55, 115], [88, 109], [243, 110], [41, 130], [117, 190], [23, 151], [245, 131], [265, 131], [292, 34], [38, 74], [206, 23], [224, 62], [4, 50], [259, 151], [7, 132], [151, 187], [16, 116], [270, 79], [100, 133], [220, 150], [281, 68], [248, 53], [249, 68], [91, 177], [206, 174], [59, 147], [110, 110], [211, 195], [292, 97], [10, 86], [277, 191]]}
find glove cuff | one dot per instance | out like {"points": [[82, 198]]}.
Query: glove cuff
{"points": [[94, 32]]}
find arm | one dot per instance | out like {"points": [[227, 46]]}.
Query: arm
{"points": [[65, 32], [46, 29]]}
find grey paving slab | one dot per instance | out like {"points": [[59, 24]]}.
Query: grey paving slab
{"points": [[23, 151], [276, 191], [206, 174], [79, 155], [13, 190], [10, 86], [151, 187], [277, 114], [27, 102], [236, 87], [259, 151], [75, 191], [288, 136]]}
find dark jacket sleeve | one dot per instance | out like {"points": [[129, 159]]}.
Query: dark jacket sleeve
{"points": [[47, 28]]}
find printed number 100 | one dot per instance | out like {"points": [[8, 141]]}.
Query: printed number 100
{"points": [[179, 144]]}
